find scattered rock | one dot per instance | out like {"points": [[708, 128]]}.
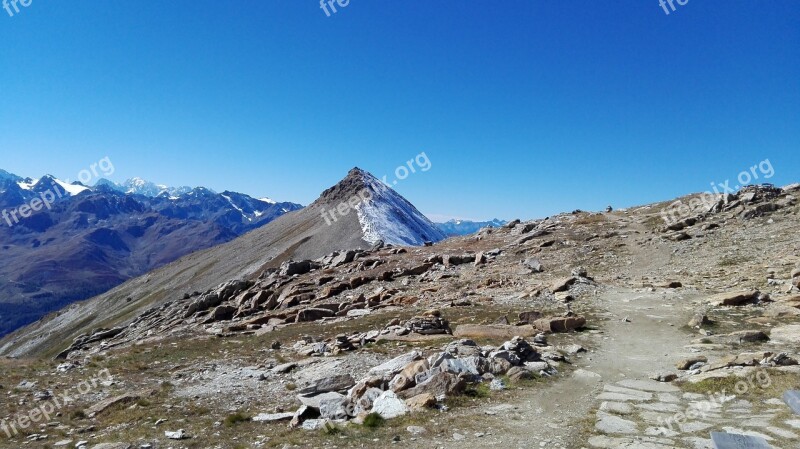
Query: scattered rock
{"points": [[734, 298]]}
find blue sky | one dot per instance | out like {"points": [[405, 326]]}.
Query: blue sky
{"points": [[524, 108]]}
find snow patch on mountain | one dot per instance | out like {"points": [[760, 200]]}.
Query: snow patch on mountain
{"points": [[72, 189], [389, 217], [27, 184]]}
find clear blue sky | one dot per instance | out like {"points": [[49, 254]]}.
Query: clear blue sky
{"points": [[525, 108]]}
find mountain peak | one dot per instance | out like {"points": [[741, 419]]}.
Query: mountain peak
{"points": [[383, 214], [350, 186]]}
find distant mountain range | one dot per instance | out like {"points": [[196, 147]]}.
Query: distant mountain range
{"points": [[86, 240], [454, 228], [357, 213]]}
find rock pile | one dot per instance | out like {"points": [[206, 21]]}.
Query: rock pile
{"points": [[413, 382]]}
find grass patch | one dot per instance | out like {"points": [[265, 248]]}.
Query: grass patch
{"points": [[236, 418], [761, 383], [478, 391], [374, 421]]}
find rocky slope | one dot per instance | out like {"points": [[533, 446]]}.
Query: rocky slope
{"points": [[580, 330]]}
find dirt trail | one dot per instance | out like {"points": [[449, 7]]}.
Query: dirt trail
{"points": [[641, 334]]}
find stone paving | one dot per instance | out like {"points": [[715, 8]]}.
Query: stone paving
{"points": [[651, 415]]}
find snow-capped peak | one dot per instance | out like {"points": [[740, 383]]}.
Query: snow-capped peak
{"points": [[387, 216]]}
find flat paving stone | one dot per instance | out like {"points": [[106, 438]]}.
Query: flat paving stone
{"points": [[660, 407], [618, 408], [629, 391], [734, 441], [794, 423], [660, 432], [649, 385], [619, 397], [747, 433], [668, 397], [611, 424], [698, 443], [783, 433], [792, 399], [695, 426]]}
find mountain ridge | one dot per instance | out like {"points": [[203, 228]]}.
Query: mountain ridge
{"points": [[78, 241], [300, 235]]}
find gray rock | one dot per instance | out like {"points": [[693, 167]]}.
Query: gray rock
{"points": [[534, 264], [610, 424], [334, 408], [389, 406], [732, 441], [792, 399], [395, 365], [273, 417], [367, 400], [315, 401], [178, 435], [334, 383]]}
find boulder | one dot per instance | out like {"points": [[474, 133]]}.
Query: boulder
{"points": [[223, 313], [428, 325], [395, 365], [421, 402], [463, 348], [341, 382], [343, 258], [559, 324], [686, 363], [474, 366], [449, 260], [313, 314], [406, 378], [699, 320], [302, 414], [203, 303], [534, 264], [365, 401], [517, 374], [315, 400], [737, 298], [334, 408], [563, 285], [439, 385], [292, 268], [389, 406], [529, 317], [273, 417], [105, 404]]}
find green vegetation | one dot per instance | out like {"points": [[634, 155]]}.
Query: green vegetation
{"points": [[374, 421]]}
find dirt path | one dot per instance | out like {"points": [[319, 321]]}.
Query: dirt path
{"points": [[641, 334]]}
